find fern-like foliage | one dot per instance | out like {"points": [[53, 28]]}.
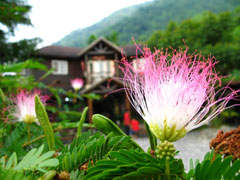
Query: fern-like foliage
{"points": [[133, 164], [76, 175], [214, 168], [18, 136], [13, 175], [14, 141], [90, 148], [34, 160]]}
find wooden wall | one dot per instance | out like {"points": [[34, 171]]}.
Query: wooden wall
{"points": [[62, 81]]}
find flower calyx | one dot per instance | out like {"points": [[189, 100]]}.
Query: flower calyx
{"points": [[29, 119], [168, 133]]}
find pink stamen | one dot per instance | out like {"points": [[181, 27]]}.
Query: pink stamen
{"points": [[24, 104], [177, 88]]}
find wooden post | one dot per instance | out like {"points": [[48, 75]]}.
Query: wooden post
{"points": [[87, 70], [128, 106], [90, 110], [116, 64]]}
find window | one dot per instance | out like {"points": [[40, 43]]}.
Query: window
{"points": [[61, 67], [105, 68], [138, 64], [100, 69]]}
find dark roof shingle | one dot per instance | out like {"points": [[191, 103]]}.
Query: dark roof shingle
{"points": [[130, 50], [60, 52]]}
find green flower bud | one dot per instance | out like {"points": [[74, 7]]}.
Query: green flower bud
{"points": [[166, 150]]}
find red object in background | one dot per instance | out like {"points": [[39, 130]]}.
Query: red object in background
{"points": [[135, 125], [126, 119]]}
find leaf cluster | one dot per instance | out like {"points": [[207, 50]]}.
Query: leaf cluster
{"points": [[12, 76], [214, 167], [17, 137], [12, 14], [13, 142], [34, 160], [88, 149], [133, 164]]}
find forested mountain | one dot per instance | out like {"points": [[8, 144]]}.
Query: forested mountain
{"points": [[142, 20]]}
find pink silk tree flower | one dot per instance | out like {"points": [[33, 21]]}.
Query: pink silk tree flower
{"points": [[24, 106], [175, 93], [77, 83]]}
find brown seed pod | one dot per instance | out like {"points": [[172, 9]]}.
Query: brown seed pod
{"points": [[227, 143]]}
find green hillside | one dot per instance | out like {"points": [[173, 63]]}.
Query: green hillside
{"points": [[142, 20]]}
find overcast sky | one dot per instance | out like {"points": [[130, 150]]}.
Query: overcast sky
{"points": [[53, 19]]}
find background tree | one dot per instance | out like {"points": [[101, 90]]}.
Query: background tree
{"points": [[113, 37], [12, 14], [209, 33], [91, 38]]}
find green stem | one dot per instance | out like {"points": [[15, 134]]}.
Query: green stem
{"points": [[39, 137], [152, 138], [33, 141], [167, 169], [82, 119], [29, 131], [54, 130], [48, 176]]}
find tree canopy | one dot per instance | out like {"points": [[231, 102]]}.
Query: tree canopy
{"points": [[113, 37], [208, 32], [12, 14]]}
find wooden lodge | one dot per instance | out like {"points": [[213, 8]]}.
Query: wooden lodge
{"points": [[96, 65]]}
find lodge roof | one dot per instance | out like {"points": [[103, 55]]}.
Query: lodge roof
{"points": [[63, 52], [60, 52], [94, 43]]}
